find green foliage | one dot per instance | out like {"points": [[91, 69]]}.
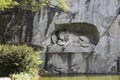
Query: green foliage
{"points": [[63, 5], [36, 5], [21, 76], [7, 4], [32, 5], [16, 59]]}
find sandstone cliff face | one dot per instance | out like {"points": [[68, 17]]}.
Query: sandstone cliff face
{"points": [[97, 22]]}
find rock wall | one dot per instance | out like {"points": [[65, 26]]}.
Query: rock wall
{"points": [[103, 14], [104, 39]]}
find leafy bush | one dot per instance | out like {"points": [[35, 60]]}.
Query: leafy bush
{"points": [[7, 4], [21, 76], [31, 4], [16, 59], [24, 76]]}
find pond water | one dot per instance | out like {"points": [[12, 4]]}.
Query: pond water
{"points": [[106, 77]]}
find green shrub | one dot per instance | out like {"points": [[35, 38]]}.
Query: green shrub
{"points": [[16, 59], [21, 76]]}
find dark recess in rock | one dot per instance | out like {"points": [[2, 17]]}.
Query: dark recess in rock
{"points": [[86, 29]]}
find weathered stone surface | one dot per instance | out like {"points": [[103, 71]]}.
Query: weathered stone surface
{"points": [[103, 14], [78, 63], [103, 37], [69, 42], [55, 48], [57, 63]]}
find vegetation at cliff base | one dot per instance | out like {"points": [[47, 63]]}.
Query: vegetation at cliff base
{"points": [[18, 60]]}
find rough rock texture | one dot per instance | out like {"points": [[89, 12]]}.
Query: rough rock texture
{"points": [[104, 15], [97, 21]]}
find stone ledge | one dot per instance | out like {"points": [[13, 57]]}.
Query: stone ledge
{"points": [[69, 49]]}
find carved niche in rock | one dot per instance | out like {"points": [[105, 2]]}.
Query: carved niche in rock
{"points": [[68, 44], [74, 37]]}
